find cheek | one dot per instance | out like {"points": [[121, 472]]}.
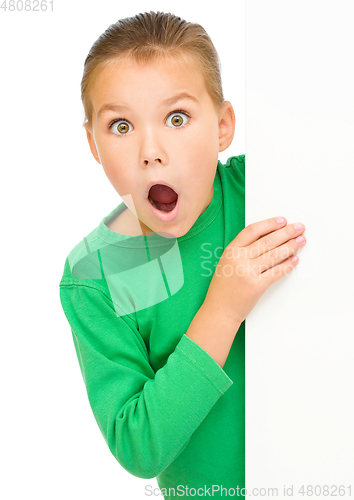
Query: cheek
{"points": [[207, 136], [113, 163], [200, 140], [199, 158], [115, 156], [206, 147]]}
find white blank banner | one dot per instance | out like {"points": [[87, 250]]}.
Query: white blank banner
{"points": [[300, 163]]}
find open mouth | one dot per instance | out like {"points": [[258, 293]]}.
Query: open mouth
{"points": [[164, 207], [163, 198]]}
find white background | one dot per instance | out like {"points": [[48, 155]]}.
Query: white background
{"points": [[300, 156], [53, 193], [300, 160]]}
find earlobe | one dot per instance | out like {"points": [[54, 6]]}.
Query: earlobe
{"points": [[227, 123], [92, 144]]}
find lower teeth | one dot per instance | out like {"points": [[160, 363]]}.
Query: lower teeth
{"points": [[174, 203]]}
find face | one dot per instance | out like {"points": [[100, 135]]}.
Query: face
{"points": [[156, 123]]}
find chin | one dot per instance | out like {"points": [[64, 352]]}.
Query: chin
{"points": [[172, 233]]}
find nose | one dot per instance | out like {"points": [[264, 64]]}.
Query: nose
{"points": [[152, 150]]}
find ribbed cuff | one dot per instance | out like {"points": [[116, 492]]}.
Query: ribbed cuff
{"points": [[205, 363]]}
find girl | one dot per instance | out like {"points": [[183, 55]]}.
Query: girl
{"points": [[156, 295]]}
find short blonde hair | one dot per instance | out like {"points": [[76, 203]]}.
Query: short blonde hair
{"points": [[145, 37]]}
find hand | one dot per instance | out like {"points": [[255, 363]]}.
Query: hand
{"points": [[259, 256]]}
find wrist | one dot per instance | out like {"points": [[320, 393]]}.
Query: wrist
{"points": [[218, 312]]}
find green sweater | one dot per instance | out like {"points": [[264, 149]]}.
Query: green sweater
{"points": [[164, 406]]}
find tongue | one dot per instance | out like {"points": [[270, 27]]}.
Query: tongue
{"points": [[163, 197], [162, 194]]}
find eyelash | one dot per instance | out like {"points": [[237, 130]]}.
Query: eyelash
{"points": [[172, 113]]}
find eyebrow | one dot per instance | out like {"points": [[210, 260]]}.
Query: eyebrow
{"points": [[179, 97], [167, 102]]}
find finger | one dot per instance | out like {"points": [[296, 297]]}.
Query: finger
{"points": [[275, 239], [254, 231], [275, 273], [278, 254]]}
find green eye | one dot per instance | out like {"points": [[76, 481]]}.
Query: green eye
{"points": [[120, 127], [177, 119]]}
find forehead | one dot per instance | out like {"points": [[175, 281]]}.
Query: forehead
{"points": [[125, 78]]}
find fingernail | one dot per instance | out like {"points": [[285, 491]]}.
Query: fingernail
{"points": [[298, 226]]}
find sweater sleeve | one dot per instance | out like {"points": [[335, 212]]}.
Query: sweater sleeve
{"points": [[146, 418]]}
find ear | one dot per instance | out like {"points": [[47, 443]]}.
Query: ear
{"points": [[227, 122], [92, 143]]}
